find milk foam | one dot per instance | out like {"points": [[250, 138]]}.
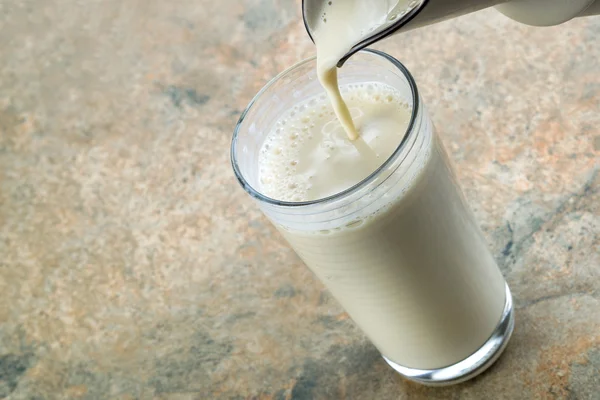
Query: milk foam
{"points": [[307, 155]]}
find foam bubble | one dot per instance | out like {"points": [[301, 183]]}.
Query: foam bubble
{"points": [[355, 223]]}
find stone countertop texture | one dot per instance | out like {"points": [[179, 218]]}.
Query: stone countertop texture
{"points": [[133, 266]]}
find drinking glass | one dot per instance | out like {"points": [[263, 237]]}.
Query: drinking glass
{"points": [[400, 250]]}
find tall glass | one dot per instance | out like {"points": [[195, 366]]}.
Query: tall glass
{"points": [[400, 250]]}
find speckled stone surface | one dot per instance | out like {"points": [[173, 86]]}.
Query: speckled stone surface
{"points": [[132, 266]]}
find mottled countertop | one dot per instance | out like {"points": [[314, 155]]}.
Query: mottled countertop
{"points": [[132, 266]]}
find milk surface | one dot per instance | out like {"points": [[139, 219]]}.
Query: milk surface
{"points": [[307, 155]]}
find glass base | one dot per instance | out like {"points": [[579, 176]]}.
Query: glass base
{"points": [[471, 366]]}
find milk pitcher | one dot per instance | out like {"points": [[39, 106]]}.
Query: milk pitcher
{"points": [[403, 15]]}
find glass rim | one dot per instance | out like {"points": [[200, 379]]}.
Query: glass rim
{"points": [[252, 191]]}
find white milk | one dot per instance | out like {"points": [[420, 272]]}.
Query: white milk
{"points": [[414, 273]]}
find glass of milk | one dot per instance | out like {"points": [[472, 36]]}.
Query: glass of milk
{"points": [[400, 249]]}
